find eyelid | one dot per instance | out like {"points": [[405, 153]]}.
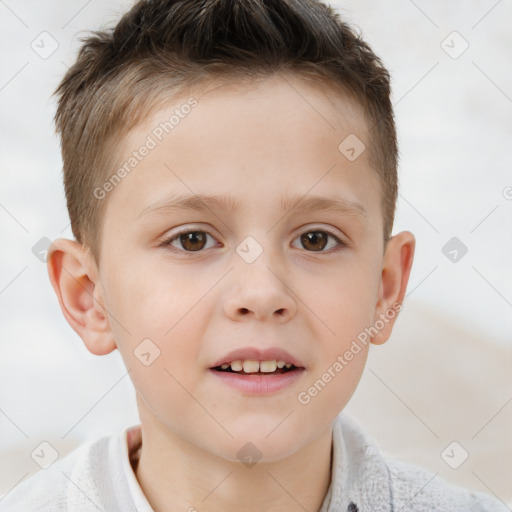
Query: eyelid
{"points": [[340, 239], [318, 227], [167, 239], [300, 230]]}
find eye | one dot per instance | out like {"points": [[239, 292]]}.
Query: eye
{"points": [[190, 241], [315, 240]]}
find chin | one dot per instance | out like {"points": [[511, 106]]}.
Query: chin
{"points": [[257, 445]]}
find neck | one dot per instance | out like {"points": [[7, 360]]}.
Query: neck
{"points": [[177, 475]]}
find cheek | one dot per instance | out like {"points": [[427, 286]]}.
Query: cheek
{"points": [[347, 374], [152, 298], [345, 309], [345, 302], [329, 389], [153, 323]]}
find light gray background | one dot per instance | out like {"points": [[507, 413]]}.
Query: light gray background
{"points": [[445, 373]]}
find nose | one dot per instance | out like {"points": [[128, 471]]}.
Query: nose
{"points": [[259, 293]]}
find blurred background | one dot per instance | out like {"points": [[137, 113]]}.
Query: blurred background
{"points": [[439, 393]]}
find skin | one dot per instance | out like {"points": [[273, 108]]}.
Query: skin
{"points": [[258, 143]]}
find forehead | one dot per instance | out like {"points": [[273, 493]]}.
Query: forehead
{"points": [[255, 141], [315, 108]]}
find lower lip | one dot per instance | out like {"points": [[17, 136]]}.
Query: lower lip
{"points": [[259, 384]]}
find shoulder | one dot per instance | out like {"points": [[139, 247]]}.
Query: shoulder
{"points": [[70, 483], [422, 490], [380, 481]]}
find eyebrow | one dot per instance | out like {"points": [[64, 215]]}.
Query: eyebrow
{"points": [[228, 203]]}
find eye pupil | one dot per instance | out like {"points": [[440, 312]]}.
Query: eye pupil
{"points": [[195, 241], [192, 237], [311, 238]]}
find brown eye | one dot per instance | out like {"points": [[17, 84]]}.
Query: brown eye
{"points": [[188, 241], [193, 241], [314, 240]]}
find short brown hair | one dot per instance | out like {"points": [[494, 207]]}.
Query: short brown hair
{"points": [[159, 47]]}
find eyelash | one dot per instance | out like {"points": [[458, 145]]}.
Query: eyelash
{"points": [[167, 242]]}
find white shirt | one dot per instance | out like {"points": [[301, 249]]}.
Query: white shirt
{"points": [[99, 475]]}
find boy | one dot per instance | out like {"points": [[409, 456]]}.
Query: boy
{"points": [[259, 135]]}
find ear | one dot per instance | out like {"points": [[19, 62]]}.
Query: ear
{"points": [[74, 278], [396, 267]]}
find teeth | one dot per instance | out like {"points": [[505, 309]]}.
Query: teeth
{"points": [[252, 366], [236, 366], [267, 366]]}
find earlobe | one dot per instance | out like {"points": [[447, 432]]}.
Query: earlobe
{"points": [[78, 290], [396, 268]]}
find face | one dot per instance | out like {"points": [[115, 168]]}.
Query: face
{"points": [[255, 272]]}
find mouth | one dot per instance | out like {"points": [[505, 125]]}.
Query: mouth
{"points": [[255, 360], [257, 378], [253, 367]]}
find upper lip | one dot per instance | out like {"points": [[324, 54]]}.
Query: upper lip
{"points": [[256, 354]]}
